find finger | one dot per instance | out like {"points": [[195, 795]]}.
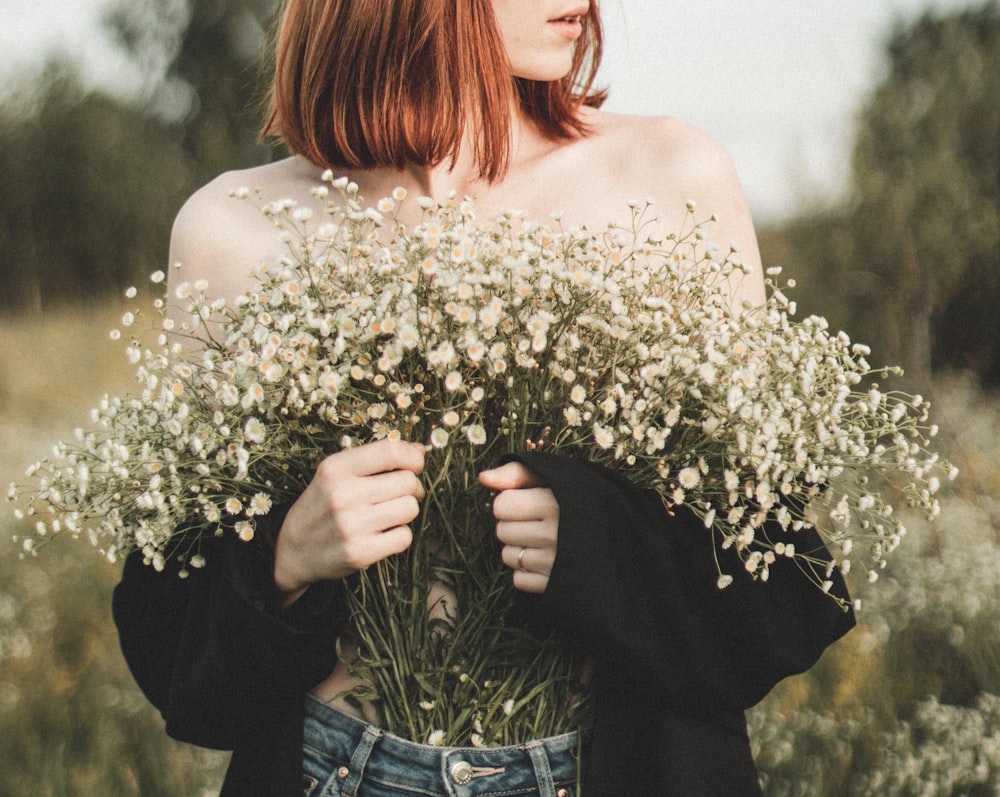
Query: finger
{"points": [[360, 555], [376, 488], [377, 518], [390, 542], [536, 503], [380, 457], [527, 533], [512, 476], [532, 583], [521, 559]]}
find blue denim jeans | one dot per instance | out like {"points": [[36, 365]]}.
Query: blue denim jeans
{"points": [[346, 757]]}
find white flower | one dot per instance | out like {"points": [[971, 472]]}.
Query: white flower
{"points": [[408, 336], [260, 504], [689, 478], [603, 436], [475, 350], [443, 354], [491, 313], [439, 438], [229, 395], [476, 434], [841, 514], [331, 382], [254, 394], [436, 738]]}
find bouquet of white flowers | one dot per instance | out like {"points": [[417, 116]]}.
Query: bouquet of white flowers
{"points": [[478, 339]]}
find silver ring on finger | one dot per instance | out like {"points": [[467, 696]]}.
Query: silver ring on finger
{"points": [[520, 559]]}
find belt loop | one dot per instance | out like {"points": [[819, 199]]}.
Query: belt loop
{"points": [[349, 788], [543, 772]]}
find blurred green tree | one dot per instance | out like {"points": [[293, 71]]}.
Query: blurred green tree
{"points": [[203, 63], [913, 261], [89, 185], [92, 179], [927, 171]]}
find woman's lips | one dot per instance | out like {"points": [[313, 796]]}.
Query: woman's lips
{"points": [[569, 26]]}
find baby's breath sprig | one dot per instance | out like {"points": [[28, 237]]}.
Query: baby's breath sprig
{"points": [[623, 347]]}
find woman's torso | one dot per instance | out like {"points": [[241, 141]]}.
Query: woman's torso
{"points": [[589, 181]]}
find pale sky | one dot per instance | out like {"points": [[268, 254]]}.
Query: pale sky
{"points": [[777, 81]]}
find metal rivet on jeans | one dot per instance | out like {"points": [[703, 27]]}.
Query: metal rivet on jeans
{"points": [[461, 772], [343, 772], [562, 793]]}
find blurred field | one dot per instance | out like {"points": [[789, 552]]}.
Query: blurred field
{"points": [[71, 720], [905, 705]]}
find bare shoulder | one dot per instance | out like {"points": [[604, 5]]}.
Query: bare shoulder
{"points": [[656, 131], [670, 158], [675, 163], [221, 238]]}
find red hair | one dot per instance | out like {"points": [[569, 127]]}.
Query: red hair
{"points": [[367, 83]]}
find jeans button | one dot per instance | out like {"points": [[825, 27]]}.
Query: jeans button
{"points": [[461, 772]]}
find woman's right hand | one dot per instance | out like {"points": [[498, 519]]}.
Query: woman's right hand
{"points": [[355, 512]]}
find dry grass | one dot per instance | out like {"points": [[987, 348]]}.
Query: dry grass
{"points": [[53, 370], [72, 717]]}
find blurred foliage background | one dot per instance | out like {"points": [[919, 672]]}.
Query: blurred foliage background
{"points": [[909, 261]]}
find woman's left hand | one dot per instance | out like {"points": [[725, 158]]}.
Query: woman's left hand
{"points": [[527, 516]]}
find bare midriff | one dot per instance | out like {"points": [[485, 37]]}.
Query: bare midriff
{"points": [[335, 690]]}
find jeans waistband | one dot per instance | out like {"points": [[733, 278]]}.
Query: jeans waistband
{"points": [[360, 752]]}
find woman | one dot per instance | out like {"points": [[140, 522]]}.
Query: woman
{"points": [[490, 98]]}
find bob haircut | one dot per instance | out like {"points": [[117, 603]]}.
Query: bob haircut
{"points": [[368, 83]]}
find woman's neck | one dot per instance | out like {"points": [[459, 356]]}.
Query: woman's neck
{"points": [[460, 175]]}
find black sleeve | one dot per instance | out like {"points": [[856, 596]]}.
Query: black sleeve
{"points": [[212, 652], [638, 584]]}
